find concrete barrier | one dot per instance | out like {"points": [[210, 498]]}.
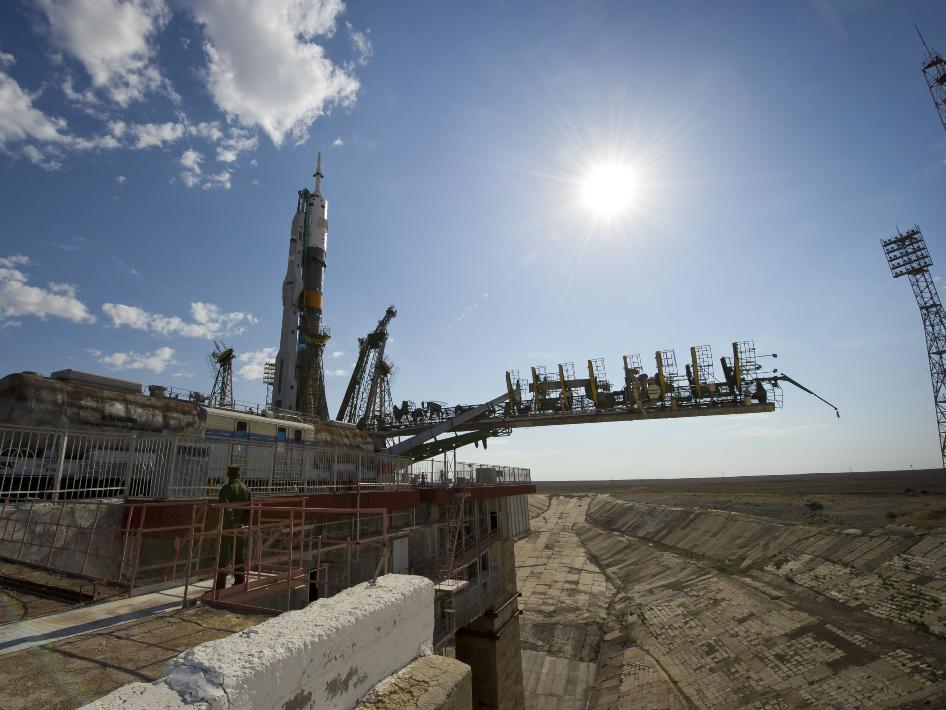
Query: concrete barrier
{"points": [[327, 655]]}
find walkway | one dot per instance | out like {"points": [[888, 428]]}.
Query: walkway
{"points": [[21, 635]]}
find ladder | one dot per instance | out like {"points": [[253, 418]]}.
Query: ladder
{"points": [[452, 533]]}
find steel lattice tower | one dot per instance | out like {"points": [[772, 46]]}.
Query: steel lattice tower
{"points": [[907, 255], [934, 71]]}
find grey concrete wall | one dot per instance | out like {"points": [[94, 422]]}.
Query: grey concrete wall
{"points": [[429, 683]]}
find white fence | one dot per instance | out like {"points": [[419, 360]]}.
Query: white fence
{"points": [[64, 465], [74, 466]]}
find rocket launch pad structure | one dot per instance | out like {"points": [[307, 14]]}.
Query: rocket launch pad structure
{"points": [[299, 377]]}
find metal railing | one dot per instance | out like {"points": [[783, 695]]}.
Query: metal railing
{"points": [[65, 465], [440, 472]]}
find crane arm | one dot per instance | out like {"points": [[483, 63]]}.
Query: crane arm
{"points": [[799, 385]]}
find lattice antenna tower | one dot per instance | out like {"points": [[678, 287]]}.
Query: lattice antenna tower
{"points": [[908, 256], [934, 71], [221, 360]]}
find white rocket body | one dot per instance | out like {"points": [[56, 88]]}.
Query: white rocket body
{"points": [[284, 390]]}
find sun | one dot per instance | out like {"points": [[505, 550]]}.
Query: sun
{"points": [[608, 189]]}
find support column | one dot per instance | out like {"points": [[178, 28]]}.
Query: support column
{"points": [[490, 646]]}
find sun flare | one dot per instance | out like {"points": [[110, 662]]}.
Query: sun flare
{"points": [[608, 189]]}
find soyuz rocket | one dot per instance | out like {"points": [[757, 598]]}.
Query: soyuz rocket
{"points": [[299, 378]]}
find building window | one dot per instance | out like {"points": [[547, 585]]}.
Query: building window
{"points": [[493, 520], [484, 561]]}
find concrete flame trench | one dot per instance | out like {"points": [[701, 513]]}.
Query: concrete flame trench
{"points": [[631, 605]]}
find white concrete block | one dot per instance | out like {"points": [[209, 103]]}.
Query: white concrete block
{"points": [[327, 655]]}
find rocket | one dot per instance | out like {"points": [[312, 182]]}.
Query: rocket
{"points": [[299, 383]]}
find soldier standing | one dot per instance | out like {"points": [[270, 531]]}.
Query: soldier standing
{"points": [[232, 546]]}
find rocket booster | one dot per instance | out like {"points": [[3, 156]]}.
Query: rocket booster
{"points": [[302, 338], [316, 243]]}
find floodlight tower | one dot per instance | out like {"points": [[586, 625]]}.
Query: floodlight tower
{"points": [[934, 71], [907, 255]]}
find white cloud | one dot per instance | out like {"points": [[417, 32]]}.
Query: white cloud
{"points": [[20, 120], [238, 142], [13, 261], [190, 161], [207, 129], [362, 44], [41, 159], [74, 243], [156, 361], [337, 353], [208, 321], [264, 67], [221, 180], [150, 135], [338, 142], [252, 367], [193, 175], [45, 138], [114, 40], [18, 298], [341, 372]]}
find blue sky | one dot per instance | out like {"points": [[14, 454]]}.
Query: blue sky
{"points": [[152, 150]]}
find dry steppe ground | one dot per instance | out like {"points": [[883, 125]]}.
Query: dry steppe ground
{"points": [[860, 499], [823, 590]]}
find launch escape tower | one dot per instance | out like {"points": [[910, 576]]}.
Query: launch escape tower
{"points": [[907, 255], [299, 381], [934, 71]]}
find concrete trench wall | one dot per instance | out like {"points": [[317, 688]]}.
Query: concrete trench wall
{"points": [[899, 577], [327, 655]]}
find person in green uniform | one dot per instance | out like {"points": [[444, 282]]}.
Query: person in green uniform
{"points": [[232, 546]]}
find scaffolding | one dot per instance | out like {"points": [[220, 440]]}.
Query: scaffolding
{"points": [[143, 546]]}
